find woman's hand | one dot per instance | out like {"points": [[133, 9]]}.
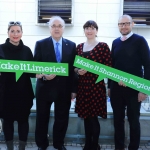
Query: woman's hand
{"points": [[81, 72]]}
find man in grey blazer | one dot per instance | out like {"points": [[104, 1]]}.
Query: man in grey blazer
{"points": [[51, 88]]}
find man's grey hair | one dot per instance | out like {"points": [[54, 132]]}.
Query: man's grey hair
{"points": [[126, 16], [53, 18]]}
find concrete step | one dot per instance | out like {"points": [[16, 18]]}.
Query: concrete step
{"points": [[75, 132]]}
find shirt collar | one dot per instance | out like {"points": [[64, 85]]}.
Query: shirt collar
{"points": [[54, 41], [128, 35]]}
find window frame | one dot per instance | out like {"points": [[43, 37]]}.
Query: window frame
{"points": [[136, 25], [46, 24]]}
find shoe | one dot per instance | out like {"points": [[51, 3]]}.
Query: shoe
{"points": [[62, 148], [87, 147], [39, 148], [96, 147], [10, 145]]}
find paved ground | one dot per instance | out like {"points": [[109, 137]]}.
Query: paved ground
{"points": [[72, 146], [69, 146]]}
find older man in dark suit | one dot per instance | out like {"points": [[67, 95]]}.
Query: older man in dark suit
{"points": [[52, 88]]}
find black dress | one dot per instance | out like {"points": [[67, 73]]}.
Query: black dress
{"points": [[17, 96], [91, 97]]}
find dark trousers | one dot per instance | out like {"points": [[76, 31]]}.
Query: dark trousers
{"points": [[61, 112], [122, 100], [23, 128]]}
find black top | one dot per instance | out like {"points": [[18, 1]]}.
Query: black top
{"points": [[132, 56], [18, 96]]}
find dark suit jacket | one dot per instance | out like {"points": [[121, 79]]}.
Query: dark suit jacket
{"points": [[44, 52]]}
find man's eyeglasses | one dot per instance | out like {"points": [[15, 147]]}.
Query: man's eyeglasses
{"points": [[124, 24], [54, 27], [11, 23]]}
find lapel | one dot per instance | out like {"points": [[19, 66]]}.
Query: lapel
{"points": [[65, 49], [51, 54]]}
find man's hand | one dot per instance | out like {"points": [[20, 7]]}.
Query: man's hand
{"points": [[141, 97], [73, 96], [108, 92], [50, 76], [39, 76], [121, 84]]}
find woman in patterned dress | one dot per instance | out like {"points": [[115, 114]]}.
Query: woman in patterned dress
{"points": [[91, 97]]}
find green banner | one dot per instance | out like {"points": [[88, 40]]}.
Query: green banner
{"points": [[104, 71], [20, 67]]}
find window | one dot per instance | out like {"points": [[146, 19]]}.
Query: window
{"points": [[139, 10], [49, 8]]}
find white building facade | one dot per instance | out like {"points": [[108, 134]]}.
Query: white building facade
{"points": [[104, 12]]}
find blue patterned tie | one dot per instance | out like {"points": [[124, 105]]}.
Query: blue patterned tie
{"points": [[57, 53]]}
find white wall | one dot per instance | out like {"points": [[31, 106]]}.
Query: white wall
{"points": [[104, 12]]}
